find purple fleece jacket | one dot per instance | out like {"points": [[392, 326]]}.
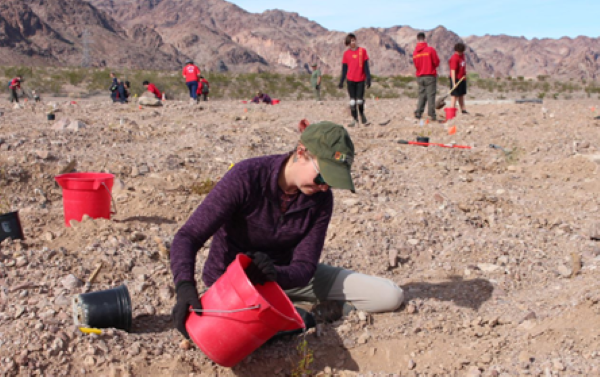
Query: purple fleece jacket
{"points": [[265, 98], [243, 214]]}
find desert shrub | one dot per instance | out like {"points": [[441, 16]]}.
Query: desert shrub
{"points": [[411, 94], [75, 76], [203, 187]]}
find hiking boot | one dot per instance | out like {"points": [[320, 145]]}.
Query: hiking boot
{"points": [[363, 120], [352, 124], [331, 311], [417, 115], [464, 112]]}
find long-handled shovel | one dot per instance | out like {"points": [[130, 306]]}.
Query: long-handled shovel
{"points": [[441, 101], [434, 144]]}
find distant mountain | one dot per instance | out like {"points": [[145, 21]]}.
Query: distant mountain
{"points": [[221, 36], [51, 32]]}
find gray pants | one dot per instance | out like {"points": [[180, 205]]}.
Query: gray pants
{"points": [[317, 92], [427, 89], [368, 293]]}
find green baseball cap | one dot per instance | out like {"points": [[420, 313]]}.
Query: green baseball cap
{"points": [[332, 145]]}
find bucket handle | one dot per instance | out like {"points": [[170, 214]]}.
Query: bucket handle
{"points": [[225, 311], [111, 199]]}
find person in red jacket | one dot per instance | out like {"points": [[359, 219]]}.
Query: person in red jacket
{"points": [[191, 73], [203, 88], [153, 89], [426, 61], [355, 68], [14, 85], [458, 70]]}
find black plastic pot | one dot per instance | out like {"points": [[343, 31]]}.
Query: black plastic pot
{"points": [[51, 117], [104, 309], [10, 226], [423, 139]]}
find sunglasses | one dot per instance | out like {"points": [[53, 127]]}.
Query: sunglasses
{"points": [[319, 178]]}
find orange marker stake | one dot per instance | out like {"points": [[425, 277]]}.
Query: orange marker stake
{"points": [[140, 107], [245, 110], [452, 130]]}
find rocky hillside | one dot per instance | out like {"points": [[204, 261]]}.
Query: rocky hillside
{"points": [[55, 32], [221, 36]]}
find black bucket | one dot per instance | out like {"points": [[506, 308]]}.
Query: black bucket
{"points": [[10, 226], [423, 139], [104, 309], [51, 117]]}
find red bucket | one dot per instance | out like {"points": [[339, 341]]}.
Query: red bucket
{"points": [[86, 194], [275, 101], [450, 112], [245, 316]]}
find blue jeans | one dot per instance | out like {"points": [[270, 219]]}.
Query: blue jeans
{"points": [[193, 87]]}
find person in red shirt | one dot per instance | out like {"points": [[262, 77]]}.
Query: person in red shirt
{"points": [[426, 61], [152, 89], [191, 73], [458, 70], [203, 88], [14, 85], [355, 68]]}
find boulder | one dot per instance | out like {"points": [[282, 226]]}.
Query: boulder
{"points": [[147, 101], [61, 124]]}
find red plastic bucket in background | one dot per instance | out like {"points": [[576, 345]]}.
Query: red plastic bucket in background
{"points": [[86, 194], [450, 112], [244, 101], [275, 101], [256, 313]]}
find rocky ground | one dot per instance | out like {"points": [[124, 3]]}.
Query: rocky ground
{"points": [[498, 251]]}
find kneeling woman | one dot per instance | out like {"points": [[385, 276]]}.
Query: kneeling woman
{"points": [[277, 209]]}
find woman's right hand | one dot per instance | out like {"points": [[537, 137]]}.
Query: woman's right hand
{"points": [[187, 295]]}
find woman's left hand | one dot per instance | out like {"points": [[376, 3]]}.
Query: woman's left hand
{"points": [[261, 269]]}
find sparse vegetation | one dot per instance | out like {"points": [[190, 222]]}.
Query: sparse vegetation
{"points": [[302, 368], [204, 187], [83, 82]]}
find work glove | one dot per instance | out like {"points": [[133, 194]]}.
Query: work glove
{"points": [[186, 295], [261, 269], [368, 83], [318, 87], [341, 85]]}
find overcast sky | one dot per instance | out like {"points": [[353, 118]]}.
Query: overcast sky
{"points": [[528, 18]]}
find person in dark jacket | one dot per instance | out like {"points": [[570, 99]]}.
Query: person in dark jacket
{"points": [[117, 90], [277, 209], [426, 61], [262, 97]]}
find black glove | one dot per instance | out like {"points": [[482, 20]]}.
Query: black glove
{"points": [[341, 85], [318, 87], [368, 83], [261, 269], [186, 295]]}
